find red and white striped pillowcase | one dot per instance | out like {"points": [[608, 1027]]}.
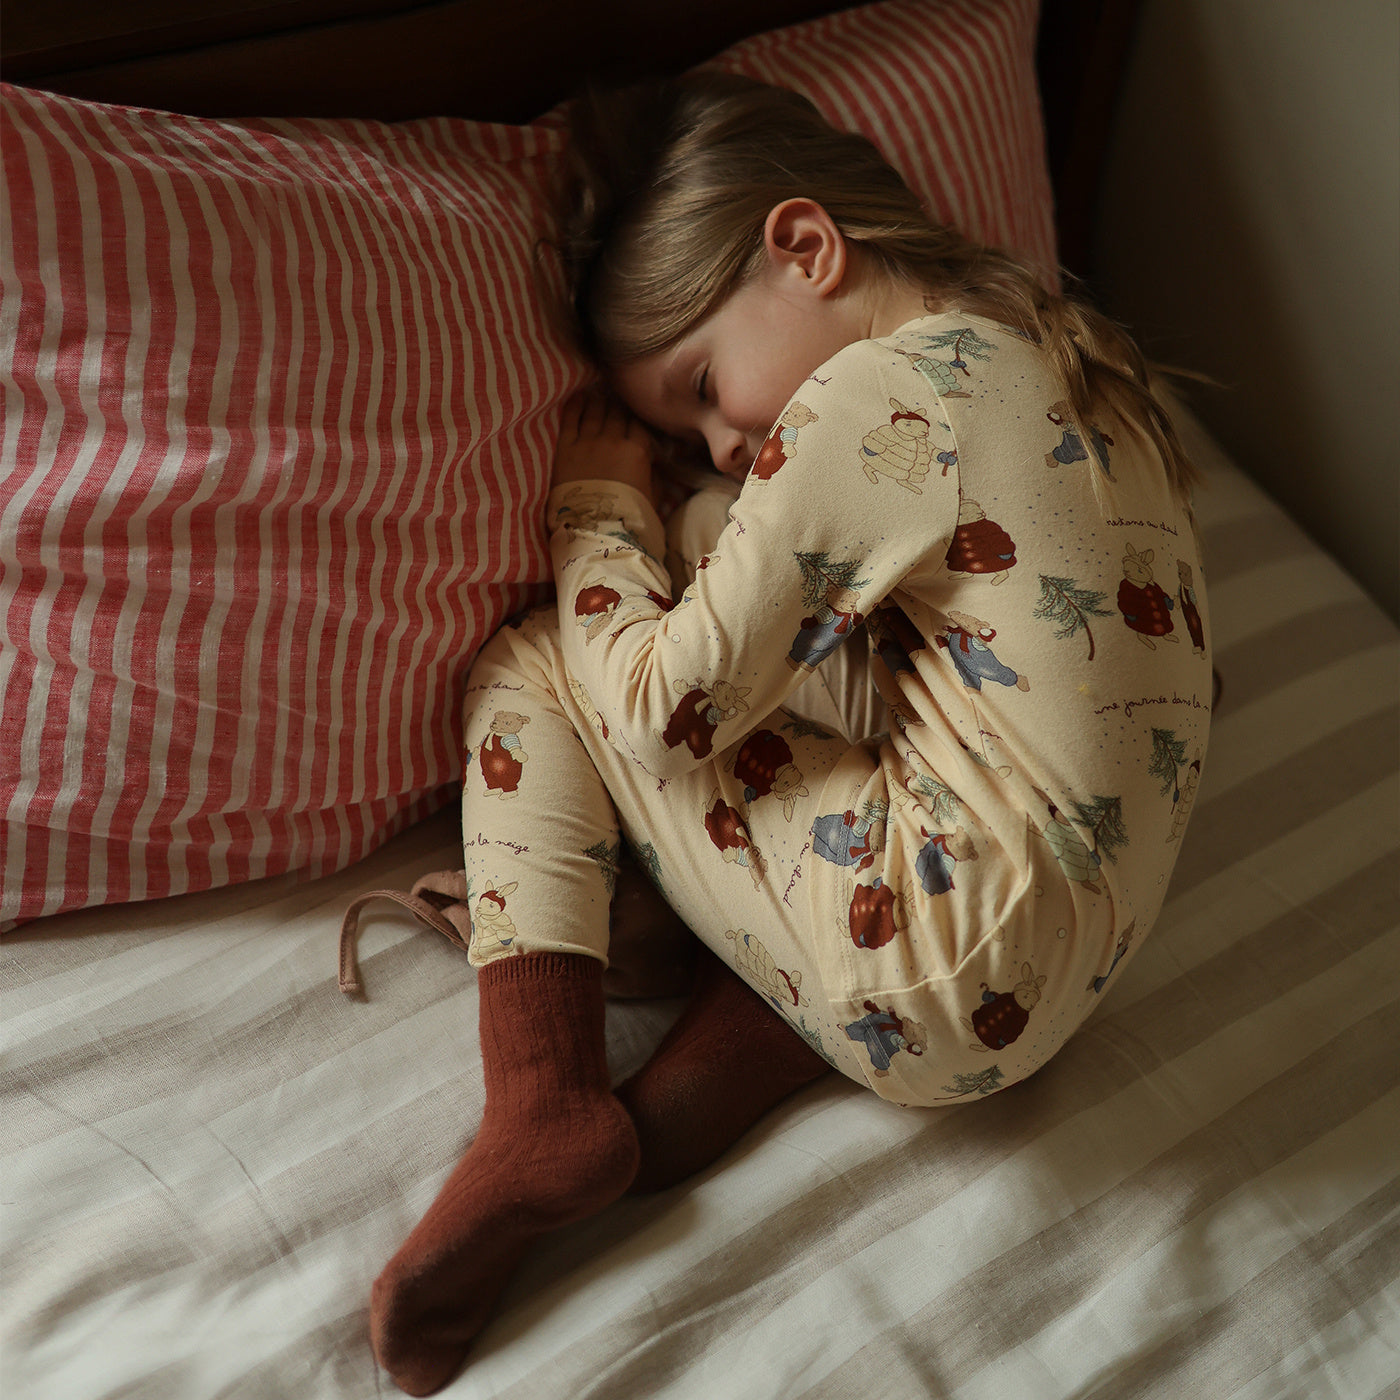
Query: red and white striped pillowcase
{"points": [[277, 434], [947, 90], [279, 410]]}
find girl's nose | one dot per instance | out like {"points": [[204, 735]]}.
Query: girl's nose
{"points": [[729, 450]]}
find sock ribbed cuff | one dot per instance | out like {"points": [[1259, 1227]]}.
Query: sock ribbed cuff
{"points": [[542, 1021], [514, 969]]}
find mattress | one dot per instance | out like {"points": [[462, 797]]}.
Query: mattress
{"points": [[209, 1151]]}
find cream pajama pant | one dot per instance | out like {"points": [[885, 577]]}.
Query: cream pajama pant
{"points": [[547, 798]]}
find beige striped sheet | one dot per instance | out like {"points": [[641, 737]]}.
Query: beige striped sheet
{"points": [[209, 1152]]}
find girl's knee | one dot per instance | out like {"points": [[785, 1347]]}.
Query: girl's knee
{"points": [[525, 649]]}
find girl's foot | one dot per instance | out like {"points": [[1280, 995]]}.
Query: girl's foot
{"points": [[727, 1061], [554, 1147]]}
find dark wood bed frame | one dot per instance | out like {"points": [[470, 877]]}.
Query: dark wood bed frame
{"points": [[496, 60]]}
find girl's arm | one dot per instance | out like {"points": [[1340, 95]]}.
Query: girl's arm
{"points": [[817, 538]]}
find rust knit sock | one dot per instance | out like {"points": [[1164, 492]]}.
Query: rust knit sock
{"points": [[554, 1147], [728, 1060]]}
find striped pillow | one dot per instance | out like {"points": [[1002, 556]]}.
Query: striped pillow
{"points": [[947, 90], [279, 411]]}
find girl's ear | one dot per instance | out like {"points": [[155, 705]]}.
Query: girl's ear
{"points": [[804, 245]]}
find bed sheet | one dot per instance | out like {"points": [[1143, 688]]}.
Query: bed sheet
{"points": [[208, 1151]]}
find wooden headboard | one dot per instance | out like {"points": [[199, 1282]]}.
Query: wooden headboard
{"points": [[495, 61]]}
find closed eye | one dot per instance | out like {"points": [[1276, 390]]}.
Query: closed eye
{"points": [[702, 385]]}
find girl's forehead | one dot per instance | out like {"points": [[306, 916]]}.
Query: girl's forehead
{"points": [[652, 385]]}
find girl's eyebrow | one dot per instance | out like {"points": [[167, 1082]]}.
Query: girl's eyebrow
{"points": [[674, 377], [677, 387]]}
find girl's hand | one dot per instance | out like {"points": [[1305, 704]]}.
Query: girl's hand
{"points": [[600, 440]]}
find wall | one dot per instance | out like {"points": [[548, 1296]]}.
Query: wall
{"points": [[1250, 228]]}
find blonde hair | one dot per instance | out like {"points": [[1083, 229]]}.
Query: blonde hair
{"points": [[663, 218]]}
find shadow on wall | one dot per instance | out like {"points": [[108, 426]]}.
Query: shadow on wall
{"points": [[1248, 229]]}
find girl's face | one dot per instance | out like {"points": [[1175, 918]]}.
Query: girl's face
{"points": [[726, 382]]}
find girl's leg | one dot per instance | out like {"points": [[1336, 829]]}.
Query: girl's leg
{"points": [[555, 1145], [728, 1060], [732, 1056], [541, 850]]}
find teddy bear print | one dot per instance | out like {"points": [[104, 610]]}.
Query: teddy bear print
{"points": [[763, 763], [594, 606], [875, 914], [884, 1033], [979, 545], [729, 836], [754, 963], [939, 857], [492, 929], [1145, 607], [1071, 448], [848, 839], [1190, 611], [782, 441], [899, 449], [700, 712], [835, 619], [1002, 1016], [966, 640], [586, 510], [502, 755]]}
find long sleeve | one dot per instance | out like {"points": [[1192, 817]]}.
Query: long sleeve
{"points": [[856, 490]]}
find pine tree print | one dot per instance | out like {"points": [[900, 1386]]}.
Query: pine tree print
{"points": [[608, 858], [801, 728], [812, 1037], [984, 1081], [1062, 601], [1168, 754], [645, 856], [820, 574], [965, 344], [943, 803], [1104, 818]]}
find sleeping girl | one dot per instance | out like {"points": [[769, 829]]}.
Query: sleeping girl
{"points": [[892, 745]]}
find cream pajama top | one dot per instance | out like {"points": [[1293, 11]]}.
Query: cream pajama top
{"points": [[1029, 591]]}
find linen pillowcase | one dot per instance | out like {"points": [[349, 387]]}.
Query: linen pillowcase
{"points": [[947, 90], [279, 411], [277, 438]]}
